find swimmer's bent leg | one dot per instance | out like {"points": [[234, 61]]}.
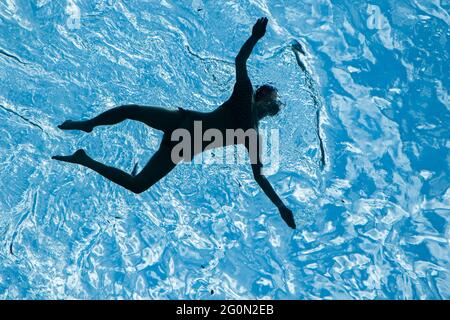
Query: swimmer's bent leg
{"points": [[159, 165]]}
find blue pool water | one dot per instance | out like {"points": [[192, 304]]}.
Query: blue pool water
{"points": [[373, 223]]}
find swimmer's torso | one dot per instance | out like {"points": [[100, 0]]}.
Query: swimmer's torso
{"points": [[235, 113]]}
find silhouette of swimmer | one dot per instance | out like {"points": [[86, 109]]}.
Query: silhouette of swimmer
{"points": [[243, 110]]}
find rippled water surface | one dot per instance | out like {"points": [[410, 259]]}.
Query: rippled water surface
{"points": [[372, 224]]}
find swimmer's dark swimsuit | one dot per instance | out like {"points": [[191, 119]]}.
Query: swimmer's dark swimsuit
{"points": [[185, 122], [235, 113]]}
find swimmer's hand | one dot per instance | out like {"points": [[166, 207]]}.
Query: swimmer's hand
{"points": [[287, 216], [259, 29]]}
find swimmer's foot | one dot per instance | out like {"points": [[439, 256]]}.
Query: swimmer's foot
{"points": [[78, 157], [76, 125]]}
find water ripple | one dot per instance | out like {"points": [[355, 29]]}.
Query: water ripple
{"points": [[364, 153]]}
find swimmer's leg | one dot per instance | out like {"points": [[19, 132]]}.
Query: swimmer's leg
{"points": [[157, 167], [155, 117]]}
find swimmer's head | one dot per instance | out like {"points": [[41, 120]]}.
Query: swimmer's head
{"points": [[266, 101]]}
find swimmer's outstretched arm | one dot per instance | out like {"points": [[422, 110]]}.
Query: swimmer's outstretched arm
{"points": [[265, 185], [255, 160], [258, 31]]}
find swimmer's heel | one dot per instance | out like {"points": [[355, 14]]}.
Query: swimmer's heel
{"points": [[76, 125]]}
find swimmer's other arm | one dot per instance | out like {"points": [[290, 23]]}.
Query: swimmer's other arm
{"points": [[258, 31], [265, 185]]}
